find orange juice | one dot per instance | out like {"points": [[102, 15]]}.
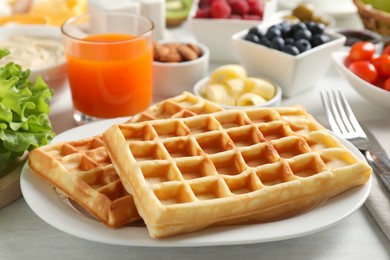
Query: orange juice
{"points": [[110, 75]]}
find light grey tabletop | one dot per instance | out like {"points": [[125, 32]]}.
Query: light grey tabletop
{"points": [[23, 235]]}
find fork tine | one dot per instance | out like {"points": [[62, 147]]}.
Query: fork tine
{"points": [[326, 101], [351, 118], [340, 115], [336, 113], [342, 106], [338, 125]]}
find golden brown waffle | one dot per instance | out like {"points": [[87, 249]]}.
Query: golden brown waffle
{"points": [[82, 171], [230, 167]]}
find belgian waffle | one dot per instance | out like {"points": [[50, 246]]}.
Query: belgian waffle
{"points": [[229, 167], [82, 171]]}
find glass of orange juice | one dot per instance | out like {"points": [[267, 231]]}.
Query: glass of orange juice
{"points": [[109, 61]]}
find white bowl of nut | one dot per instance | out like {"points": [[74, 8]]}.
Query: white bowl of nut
{"points": [[178, 66], [232, 87], [294, 55]]}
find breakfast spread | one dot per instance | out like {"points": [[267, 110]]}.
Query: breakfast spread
{"points": [[176, 52], [82, 171], [33, 52], [186, 163], [229, 167], [231, 85]]}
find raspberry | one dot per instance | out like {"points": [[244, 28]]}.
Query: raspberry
{"points": [[256, 7], [220, 9], [203, 3], [203, 13], [240, 7], [210, 2]]}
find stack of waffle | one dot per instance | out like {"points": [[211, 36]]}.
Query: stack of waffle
{"points": [[183, 169], [82, 171]]}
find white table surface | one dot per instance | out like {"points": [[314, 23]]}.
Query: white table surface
{"points": [[23, 235]]}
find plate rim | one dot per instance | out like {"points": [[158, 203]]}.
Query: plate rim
{"points": [[86, 228]]}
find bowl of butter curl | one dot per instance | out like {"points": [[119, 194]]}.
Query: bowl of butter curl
{"points": [[232, 87]]}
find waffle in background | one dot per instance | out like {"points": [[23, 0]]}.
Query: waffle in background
{"points": [[82, 170], [230, 167]]}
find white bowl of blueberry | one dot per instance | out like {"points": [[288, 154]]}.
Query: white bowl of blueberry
{"points": [[294, 55]]}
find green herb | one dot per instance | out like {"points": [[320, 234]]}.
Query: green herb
{"points": [[24, 112]]}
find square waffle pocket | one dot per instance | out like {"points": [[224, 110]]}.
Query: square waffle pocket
{"points": [[82, 171], [230, 167]]}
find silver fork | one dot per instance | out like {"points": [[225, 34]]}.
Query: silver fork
{"points": [[344, 123]]}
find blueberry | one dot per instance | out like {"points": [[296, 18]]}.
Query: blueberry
{"points": [[264, 41], [315, 28], [302, 45], [297, 27], [252, 38], [289, 40], [272, 32], [285, 28], [277, 43], [290, 49], [319, 39], [302, 34], [255, 31]]}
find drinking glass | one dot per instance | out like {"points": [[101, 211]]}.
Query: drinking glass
{"points": [[109, 63]]}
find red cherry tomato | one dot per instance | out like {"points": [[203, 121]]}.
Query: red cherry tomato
{"points": [[386, 50], [362, 50], [382, 65], [365, 70], [347, 62], [386, 85]]}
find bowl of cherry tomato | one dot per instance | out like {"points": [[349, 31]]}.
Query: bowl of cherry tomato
{"points": [[367, 71]]}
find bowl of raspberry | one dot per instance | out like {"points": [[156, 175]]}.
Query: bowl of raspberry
{"points": [[215, 21], [294, 55]]}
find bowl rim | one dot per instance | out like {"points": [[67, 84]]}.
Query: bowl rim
{"points": [[205, 55], [335, 39], [276, 98], [29, 27], [224, 21], [377, 37]]}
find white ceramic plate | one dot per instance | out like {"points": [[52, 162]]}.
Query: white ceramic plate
{"points": [[45, 202]]}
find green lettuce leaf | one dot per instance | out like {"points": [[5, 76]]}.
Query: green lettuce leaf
{"points": [[24, 112]]}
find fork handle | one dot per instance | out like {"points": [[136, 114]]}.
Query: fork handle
{"points": [[381, 167]]}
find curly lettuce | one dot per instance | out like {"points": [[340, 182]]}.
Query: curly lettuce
{"points": [[24, 112]]}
